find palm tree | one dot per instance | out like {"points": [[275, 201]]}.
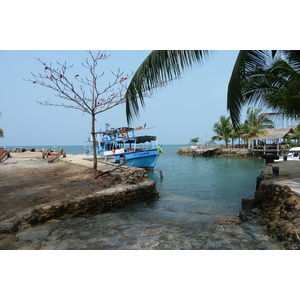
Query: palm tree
{"points": [[162, 66], [264, 77], [223, 129], [159, 67], [256, 123]]}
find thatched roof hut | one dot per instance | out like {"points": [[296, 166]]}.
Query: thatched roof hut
{"points": [[274, 134]]}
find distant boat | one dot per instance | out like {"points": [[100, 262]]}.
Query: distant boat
{"points": [[121, 145]]}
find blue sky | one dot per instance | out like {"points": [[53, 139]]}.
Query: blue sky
{"points": [[183, 109]]}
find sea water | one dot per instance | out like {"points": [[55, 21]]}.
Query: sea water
{"points": [[211, 186], [194, 193]]}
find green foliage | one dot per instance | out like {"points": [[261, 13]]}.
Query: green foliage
{"points": [[255, 123], [260, 77], [160, 67], [195, 140], [223, 130]]}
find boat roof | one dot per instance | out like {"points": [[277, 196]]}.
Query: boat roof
{"points": [[142, 139], [136, 140], [295, 149]]}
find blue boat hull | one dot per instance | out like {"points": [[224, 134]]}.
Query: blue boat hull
{"points": [[141, 159]]}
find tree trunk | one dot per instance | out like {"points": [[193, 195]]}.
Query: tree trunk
{"points": [[94, 144]]}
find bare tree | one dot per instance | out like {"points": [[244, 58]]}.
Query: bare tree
{"points": [[85, 94]]}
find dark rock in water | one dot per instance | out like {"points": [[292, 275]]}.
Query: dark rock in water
{"points": [[248, 203]]}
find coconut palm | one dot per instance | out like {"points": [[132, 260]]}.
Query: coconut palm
{"points": [[270, 78], [223, 130], [159, 67], [256, 123], [162, 66]]}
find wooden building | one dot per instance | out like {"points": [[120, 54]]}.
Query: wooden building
{"points": [[272, 141]]}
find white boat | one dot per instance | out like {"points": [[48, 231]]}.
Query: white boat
{"points": [[293, 154]]}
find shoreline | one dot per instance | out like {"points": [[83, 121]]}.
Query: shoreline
{"points": [[276, 202], [218, 152], [34, 191]]}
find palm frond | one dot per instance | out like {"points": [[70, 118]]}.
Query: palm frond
{"points": [[159, 67], [246, 61]]}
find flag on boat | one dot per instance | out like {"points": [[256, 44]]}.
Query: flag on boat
{"points": [[107, 125]]}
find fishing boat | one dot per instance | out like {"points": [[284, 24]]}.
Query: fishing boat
{"points": [[121, 145]]}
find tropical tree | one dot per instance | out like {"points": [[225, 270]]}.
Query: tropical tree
{"points": [[223, 130], [296, 136], [194, 140], [256, 123], [159, 67], [164, 65], [268, 78]]}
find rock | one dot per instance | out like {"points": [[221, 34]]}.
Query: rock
{"points": [[243, 216], [264, 222], [48, 207], [248, 203]]}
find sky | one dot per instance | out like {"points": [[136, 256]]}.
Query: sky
{"points": [[184, 109]]}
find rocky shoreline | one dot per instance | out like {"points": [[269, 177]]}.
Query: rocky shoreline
{"points": [[218, 152], [276, 205]]}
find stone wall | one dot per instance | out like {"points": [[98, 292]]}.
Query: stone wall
{"points": [[280, 212], [99, 202], [277, 207]]}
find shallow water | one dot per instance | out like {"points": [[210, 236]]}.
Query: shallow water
{"points": [[194, 192]]}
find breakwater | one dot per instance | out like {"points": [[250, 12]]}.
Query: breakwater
{"points": [[218, 152]]}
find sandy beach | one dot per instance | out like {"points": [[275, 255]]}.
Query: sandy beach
{"points": [[27, 180]]}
